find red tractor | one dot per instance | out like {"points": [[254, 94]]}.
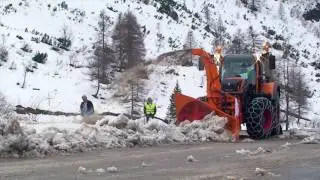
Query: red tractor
{"points": [[240, 92]]}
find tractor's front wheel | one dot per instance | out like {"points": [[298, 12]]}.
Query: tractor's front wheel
{"points": [[259, 118]]}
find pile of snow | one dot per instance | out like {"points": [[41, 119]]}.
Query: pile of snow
{"points": [[307, 135], [119, 132]]}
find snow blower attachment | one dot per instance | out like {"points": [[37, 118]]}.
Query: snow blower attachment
{"points": [[239, 91]]}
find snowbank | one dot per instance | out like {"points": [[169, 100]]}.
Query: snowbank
{"points": [[306, 135], [119, 132]]}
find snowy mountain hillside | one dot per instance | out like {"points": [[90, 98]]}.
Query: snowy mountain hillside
{"points": [[59, 83]]}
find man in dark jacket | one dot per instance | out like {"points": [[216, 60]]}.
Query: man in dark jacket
{"points": [[86, 107]]}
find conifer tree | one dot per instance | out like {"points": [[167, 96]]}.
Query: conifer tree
{"points": [[171, 114], [128, 41]]}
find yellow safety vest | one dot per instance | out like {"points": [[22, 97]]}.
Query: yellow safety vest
{"points": [[150, 108]]}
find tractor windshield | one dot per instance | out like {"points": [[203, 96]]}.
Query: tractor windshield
{"points": [[239, 66]]}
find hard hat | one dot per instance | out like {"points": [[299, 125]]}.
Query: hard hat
{"points": [[149, 99]]}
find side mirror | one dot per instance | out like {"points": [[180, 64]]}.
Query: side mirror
{"points": [[272, 62]]}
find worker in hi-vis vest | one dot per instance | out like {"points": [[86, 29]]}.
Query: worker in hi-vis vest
{"points": [[149, 109]]}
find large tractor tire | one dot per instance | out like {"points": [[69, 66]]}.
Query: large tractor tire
{"points": [[260, 118], [276, 128]]}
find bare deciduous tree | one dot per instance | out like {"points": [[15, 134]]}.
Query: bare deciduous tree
{"points": [[285, 79], [160, 38], [299, 88], [294, 87], [207, 14], [219, 32], [252, 39], [103, 55], [238, 44], [282, 11]]}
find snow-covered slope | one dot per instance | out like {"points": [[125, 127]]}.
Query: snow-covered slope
{"points": [[61, 85]]}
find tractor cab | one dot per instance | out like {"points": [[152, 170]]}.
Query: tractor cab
{"points": [[238, 71], [245, 69], [239, 66]]}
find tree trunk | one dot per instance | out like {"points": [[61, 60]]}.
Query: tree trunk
{"points": [[287, 96], [24, 78], [97, 92], [287, 111], [96, 95], [299, 113], [132, 101]]}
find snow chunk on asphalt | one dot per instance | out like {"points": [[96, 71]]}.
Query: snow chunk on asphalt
{"points": [[191, 159], [112, 169], [82, 170], [263, 172], [243, 152], [100, 170], [286, 145], [143, 164], [259, 150]]}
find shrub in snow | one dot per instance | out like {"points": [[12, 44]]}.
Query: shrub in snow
{"points": [[12, 139], [13, 66], [26, 48], [40, 57], [47, 39], [35, 39], [19, 37], [4, 54], [63, 5], [55, 48], [65, 40], [64, 43], [6, 111]]}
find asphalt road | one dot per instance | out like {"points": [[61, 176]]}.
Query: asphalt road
{"points": [[165, 162]]}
